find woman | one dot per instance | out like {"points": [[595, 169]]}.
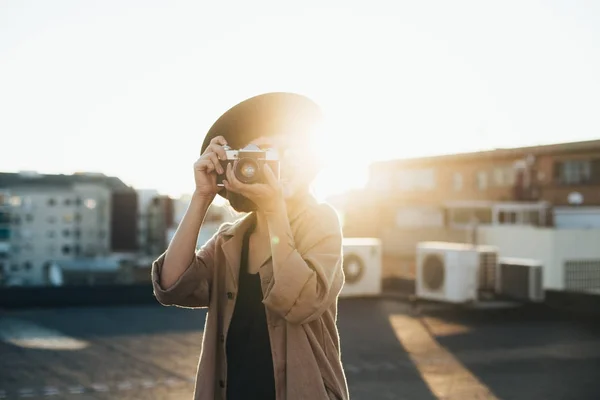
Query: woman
{"points": [[271, 279]]}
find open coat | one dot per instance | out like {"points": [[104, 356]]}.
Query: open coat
{"points": [[301, 305]]}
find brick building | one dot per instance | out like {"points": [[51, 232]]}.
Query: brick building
{"points": [[443, 197]]}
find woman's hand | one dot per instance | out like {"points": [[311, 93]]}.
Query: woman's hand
{"points": [[267, 196], [208, 166]]}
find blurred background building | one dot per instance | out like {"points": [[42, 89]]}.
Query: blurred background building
{"points": [[92, 228], [445, 198]]}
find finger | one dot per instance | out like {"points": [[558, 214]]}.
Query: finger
{"points": [[220, 140], [215, 160], [231, 179], [205, 165], [219, 150], [270, 177]]}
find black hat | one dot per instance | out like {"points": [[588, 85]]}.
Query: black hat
{"points": [[265, 115]]}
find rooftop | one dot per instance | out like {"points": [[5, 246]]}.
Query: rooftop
{"points": [[31, 178], [500, 153]]}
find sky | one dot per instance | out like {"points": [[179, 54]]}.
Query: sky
{"points": [[129, 88]]}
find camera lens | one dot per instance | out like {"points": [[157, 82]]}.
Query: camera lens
{"points": [[246, 170]]}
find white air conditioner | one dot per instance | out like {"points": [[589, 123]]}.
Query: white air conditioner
{"points": [[520, 279], [447, 272], [362, 267]]}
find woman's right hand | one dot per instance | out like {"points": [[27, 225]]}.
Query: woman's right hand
{"points": [[208, 166]]}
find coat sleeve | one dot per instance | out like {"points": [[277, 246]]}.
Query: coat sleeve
{"points": [[308, 283], [192, 289]]}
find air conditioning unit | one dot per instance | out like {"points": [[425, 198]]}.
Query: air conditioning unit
{"points": [[362, 267], [488, 268], [520, 279], [447, 272]]}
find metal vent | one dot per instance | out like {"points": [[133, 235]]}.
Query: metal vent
{"points": [[488, 262], [582, 275], [433, 272]]}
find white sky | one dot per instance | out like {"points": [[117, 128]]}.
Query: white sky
{"points": [[129, 88]]}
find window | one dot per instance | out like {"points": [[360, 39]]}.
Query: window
{"points": [[67, 202], [90, 203], [51, 219], [15, 201], [51, 234], [573, 172], [4, 218], [68, 218], [416, 179], [66, 249], [507, 217], [482, 180], [66, 233], [457, 181], [27, 265], [29, 218], [51, 202]]}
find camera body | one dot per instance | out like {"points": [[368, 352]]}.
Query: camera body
{"points": [[248, 164]]}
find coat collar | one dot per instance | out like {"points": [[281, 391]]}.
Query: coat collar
{"points": [[234, 234]]}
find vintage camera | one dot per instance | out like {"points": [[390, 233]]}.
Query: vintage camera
{"points": [[248, 163]]}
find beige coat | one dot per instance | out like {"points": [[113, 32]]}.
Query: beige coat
{"points": [[301, 306]]}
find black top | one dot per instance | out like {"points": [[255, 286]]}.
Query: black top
{"points": [[249, 362]]}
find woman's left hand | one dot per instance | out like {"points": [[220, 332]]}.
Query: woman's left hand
{"points": [[267, 196]]}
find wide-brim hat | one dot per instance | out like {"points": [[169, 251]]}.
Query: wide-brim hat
{"points": [[267, 114]]}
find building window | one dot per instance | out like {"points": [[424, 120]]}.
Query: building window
{"points": [[573, 172], [51, 234], [68, 218], [66, 233], [51, 219], [29, 218], [481, 179], [66, 249], [67, 202], [507, 217], [16, 219], [51, 202], [90, 203], [416, 179], [77, 217], [77, 233], [27, 265], [15, 201], [457, 181]]}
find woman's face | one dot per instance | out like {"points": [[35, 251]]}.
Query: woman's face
{"points": [[293, 176]]}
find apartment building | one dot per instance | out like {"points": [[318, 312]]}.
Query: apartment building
{"points": [[446, 197], [56, 218]]}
